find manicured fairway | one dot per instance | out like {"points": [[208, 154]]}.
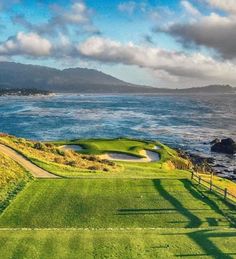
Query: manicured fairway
{"points": [[105, 203], [162, 243]]}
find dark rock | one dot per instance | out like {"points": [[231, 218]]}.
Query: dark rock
{"points": [[219, 165], [227, 146], [227, 141], [216, 140], [227, 170]]}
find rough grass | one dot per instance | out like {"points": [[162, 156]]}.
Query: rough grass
{"points": [[162, 243], [12, 179], [49, 153], [221, 183], [122, 170], [128, 203]]}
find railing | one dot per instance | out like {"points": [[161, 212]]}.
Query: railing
{"points": [[209, 184]]}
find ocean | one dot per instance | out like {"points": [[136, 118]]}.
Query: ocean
{"points": [[189, 122]]}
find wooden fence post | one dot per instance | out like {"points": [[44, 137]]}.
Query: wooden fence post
{"points": [[211, 185], [225, 193]]}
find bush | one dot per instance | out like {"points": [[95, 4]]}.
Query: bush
{"points": [[91, 158], [60, 152], [58, 160], [39, 146], [3, 135], [108, 162], [71, 163]]}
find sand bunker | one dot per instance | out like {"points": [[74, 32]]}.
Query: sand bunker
{"points": [[72, 147], [150, 156]]}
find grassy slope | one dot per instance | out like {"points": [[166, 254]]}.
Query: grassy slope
{"points": [[12, 179], [49, 154]]}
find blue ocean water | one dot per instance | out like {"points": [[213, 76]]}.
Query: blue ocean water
{"points": [[180, 121]]}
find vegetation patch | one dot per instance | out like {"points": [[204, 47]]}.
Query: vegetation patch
{"points": [[49, 153], [12, 179]]}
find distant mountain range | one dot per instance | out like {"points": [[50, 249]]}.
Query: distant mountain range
{"points": [[82, 80]]}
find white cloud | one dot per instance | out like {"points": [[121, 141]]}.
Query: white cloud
{"points": [[79, 14], [77, 17], [190, 8], [175, 65], [225, 5], [26, 44]]}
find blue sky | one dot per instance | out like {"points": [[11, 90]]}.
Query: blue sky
{"points": [[161, 43]]}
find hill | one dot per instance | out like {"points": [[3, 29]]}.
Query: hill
{"points": [[82, 80]]}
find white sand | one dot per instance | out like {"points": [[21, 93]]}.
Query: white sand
{"points": [[150, 156], [72, 147]]}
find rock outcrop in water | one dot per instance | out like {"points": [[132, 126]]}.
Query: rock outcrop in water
{"points": [[227, 146]]}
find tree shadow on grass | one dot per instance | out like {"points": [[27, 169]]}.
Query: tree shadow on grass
{"points": [[205, 238], [201, 195], [193, 220]]}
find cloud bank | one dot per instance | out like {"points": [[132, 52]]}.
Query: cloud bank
{"points": [[30, 44], [176, 65]]}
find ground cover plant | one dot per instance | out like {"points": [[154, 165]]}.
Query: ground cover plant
{"points": [[13, 178]]}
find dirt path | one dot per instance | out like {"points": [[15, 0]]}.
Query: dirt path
{"points": [[33, 169]]}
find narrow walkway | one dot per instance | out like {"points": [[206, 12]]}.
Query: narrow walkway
{"points": [[29, 166]]}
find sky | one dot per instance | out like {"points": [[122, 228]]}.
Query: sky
{"points": [[172, 43]]}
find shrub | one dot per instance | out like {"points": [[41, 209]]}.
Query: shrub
{"points": [[60, 152], [71, 163], [58, 160], [39, 146]]}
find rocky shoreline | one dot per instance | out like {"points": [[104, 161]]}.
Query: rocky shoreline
{"points": [[24, 92], [216, 165]]}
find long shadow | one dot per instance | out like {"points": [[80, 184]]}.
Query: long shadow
{"points": [[194, 221], [200, 195], [152, 211], [203, 239]]}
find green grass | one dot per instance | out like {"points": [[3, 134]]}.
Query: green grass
{"points": [[104, 203], [123, 170], [100, 146], [13, 178], [137, 210], [162, 243]]}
